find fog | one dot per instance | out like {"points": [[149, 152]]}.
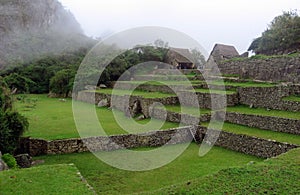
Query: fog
{"points": [[232, 22]]}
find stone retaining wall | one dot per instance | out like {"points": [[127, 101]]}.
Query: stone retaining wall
{"points": [[120, 104], [175, 117], [284, 125], [171, 89], [270, 97], [36, 147], [206, 99], [241, 143], [272, 69], [250, 145]]}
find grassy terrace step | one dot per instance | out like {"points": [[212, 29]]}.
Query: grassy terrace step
{"points": [[278, 175], [264, 112], [265, 134], [144, 94], [189, 165], [52, 119], [50, 179], [292, 98], [187, 110], [242, 84], [215, 91], [193, 82]]}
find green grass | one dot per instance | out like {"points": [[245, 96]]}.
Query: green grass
{"points": [[159, 83], [144, 94], [266, 134], [215, 91], [242, 84], [108, 180], [294, 98], [54, 179], [262, 57], [187, 110], [52, 119], [278, 175], [264, 112]]}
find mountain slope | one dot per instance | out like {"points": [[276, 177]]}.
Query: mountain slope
{"points": [[29, 29]]}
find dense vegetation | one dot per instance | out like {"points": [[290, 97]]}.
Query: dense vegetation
{"points": [[35, 76], [12, 123], [56, 73], [282, 35]]}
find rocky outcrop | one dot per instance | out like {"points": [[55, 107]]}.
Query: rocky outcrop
{"points": [[32, 28], [3, 165]]}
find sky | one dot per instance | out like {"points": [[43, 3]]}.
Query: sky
{"points": [[232, 22]]}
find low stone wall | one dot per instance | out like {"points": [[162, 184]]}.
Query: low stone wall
{"points": [[171, 89], [159, 78], [284, 125], [120, 104], [270, 97], [206, 99], [241, 143], [272, 69], [36, 147], [175, 117], [249, 145]]}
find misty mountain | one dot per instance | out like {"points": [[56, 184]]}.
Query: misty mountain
{"points": [[32, 28]]}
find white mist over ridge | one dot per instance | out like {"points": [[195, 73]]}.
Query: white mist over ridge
{"points": [[29, 29]]}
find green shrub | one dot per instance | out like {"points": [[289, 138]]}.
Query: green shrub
{"points": [[10, 161], [12, 127], [12, 124]]}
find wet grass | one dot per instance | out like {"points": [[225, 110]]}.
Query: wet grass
{"points": [[144, 94], [278, 175], [265, 134], [109, 180], [264, 112], [187, 110], [53, 179], [53, 119], [294, 98]]}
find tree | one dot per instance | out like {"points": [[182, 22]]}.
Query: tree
{"points": [[12, 124], [282, 35], [198, 58], [62, 82], [21, 83]]}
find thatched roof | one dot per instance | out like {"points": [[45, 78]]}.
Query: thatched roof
{"points": [[180, 55], [223, 52]]}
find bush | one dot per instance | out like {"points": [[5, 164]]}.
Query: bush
{"points": [[12, 124], [10, 161], [12, 127]]}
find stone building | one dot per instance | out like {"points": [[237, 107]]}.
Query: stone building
{"points": [[180, 58], [222, 52]]}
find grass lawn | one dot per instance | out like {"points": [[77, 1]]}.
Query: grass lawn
{"points": [[264, 112], [278, 175], [144, 94], [187, 110], [278, 136], [108, 180], [52, 119], [292, 98], [242, 84], [159, 83], [215, 91], [53, 179]]}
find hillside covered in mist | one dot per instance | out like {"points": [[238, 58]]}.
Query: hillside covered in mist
{"points": [[30, 29]]}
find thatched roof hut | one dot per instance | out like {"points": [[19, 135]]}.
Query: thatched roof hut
{"points": [[180, 58], [223, 52]]}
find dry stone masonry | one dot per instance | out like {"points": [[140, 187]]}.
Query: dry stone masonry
{"points": [[241, 143]]}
